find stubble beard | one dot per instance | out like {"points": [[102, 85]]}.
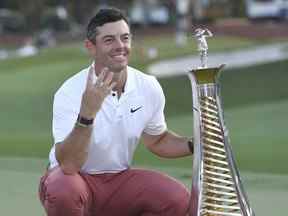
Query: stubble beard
{"points": [[117, 68]]}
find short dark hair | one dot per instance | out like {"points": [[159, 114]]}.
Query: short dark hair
{"points": [[103, 16]]}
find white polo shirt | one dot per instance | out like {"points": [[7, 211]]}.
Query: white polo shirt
{"points": [[119, 123]]}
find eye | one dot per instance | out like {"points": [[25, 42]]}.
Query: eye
{"points": [[108, 40], [126, 38]]}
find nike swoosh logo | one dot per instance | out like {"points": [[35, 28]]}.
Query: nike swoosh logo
{"points": [[134, 110]]}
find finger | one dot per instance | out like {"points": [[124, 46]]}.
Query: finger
{"points": [[101, 76], [89, 82], [111, 86], [108, 78]]}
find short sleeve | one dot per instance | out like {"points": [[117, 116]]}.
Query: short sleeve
{"points": [[64, 117], [157, 123]]}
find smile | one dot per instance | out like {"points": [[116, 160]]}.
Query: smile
{"points": [[120, 57]]}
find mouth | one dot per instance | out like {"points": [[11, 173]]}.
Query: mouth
{"points": [[119, 57]]}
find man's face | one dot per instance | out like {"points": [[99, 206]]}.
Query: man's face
{"points": [[113, 45]]}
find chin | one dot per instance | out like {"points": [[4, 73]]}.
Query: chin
{"points": [[119, 68]]}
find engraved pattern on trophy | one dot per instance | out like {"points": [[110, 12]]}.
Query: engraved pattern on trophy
{"points": [[219, 194], [216, 185]]}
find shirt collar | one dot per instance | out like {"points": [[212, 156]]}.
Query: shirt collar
{"points": [[130, 79]]}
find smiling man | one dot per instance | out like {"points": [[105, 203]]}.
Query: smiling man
{"points": [[99, 116]]}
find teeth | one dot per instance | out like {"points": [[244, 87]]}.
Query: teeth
{"points": [[120, 54]]}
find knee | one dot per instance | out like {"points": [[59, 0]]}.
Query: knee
{"points": [[178, 204], [65, 189]]}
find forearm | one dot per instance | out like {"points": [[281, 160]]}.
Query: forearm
{"points": [[73, 151], [170, 145]]}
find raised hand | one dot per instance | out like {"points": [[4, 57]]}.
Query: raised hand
{"points": [[94, 94]]}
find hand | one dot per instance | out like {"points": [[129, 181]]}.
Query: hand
{"points": [[95, 94], [209, 33]]}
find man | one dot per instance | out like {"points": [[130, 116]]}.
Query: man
{"points": [[99, 115]]}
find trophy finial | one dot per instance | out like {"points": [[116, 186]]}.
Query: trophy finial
{"points": [[200, 35]]}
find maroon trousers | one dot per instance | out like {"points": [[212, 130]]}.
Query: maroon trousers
{"points": [[133, 192]]}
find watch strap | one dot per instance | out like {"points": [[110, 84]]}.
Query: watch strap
{"points": [[84, 122], [190, 145]]}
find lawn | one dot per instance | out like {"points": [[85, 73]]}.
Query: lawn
{"points": [[258, 137], [255, 103]]}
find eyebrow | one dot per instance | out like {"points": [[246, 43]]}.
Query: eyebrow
{"points": [[109, 36]]}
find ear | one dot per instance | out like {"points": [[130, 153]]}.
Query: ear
{"points": [[90, 47]]}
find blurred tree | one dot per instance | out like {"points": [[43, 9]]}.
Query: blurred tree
{"points": [[32, 10], [197, 9], [11, 4], [182, 22], [2, 4], [81, 11], [238, 8]]}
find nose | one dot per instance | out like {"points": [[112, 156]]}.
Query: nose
{"points": [[118, 43]]}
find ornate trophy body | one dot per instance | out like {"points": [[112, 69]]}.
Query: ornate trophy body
{"points": [[216, 185]]}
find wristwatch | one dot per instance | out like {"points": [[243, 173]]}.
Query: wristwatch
{"points": [[190, 145], [84, 122]]}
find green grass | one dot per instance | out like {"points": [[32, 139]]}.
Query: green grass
{"points": [[255, 107], [239, 87], [258, 138]]}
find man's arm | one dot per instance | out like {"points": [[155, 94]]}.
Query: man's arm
{"points": [[167, 144], [72, 153]]}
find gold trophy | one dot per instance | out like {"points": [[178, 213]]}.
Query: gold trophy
{"points": [[216, 185]]}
